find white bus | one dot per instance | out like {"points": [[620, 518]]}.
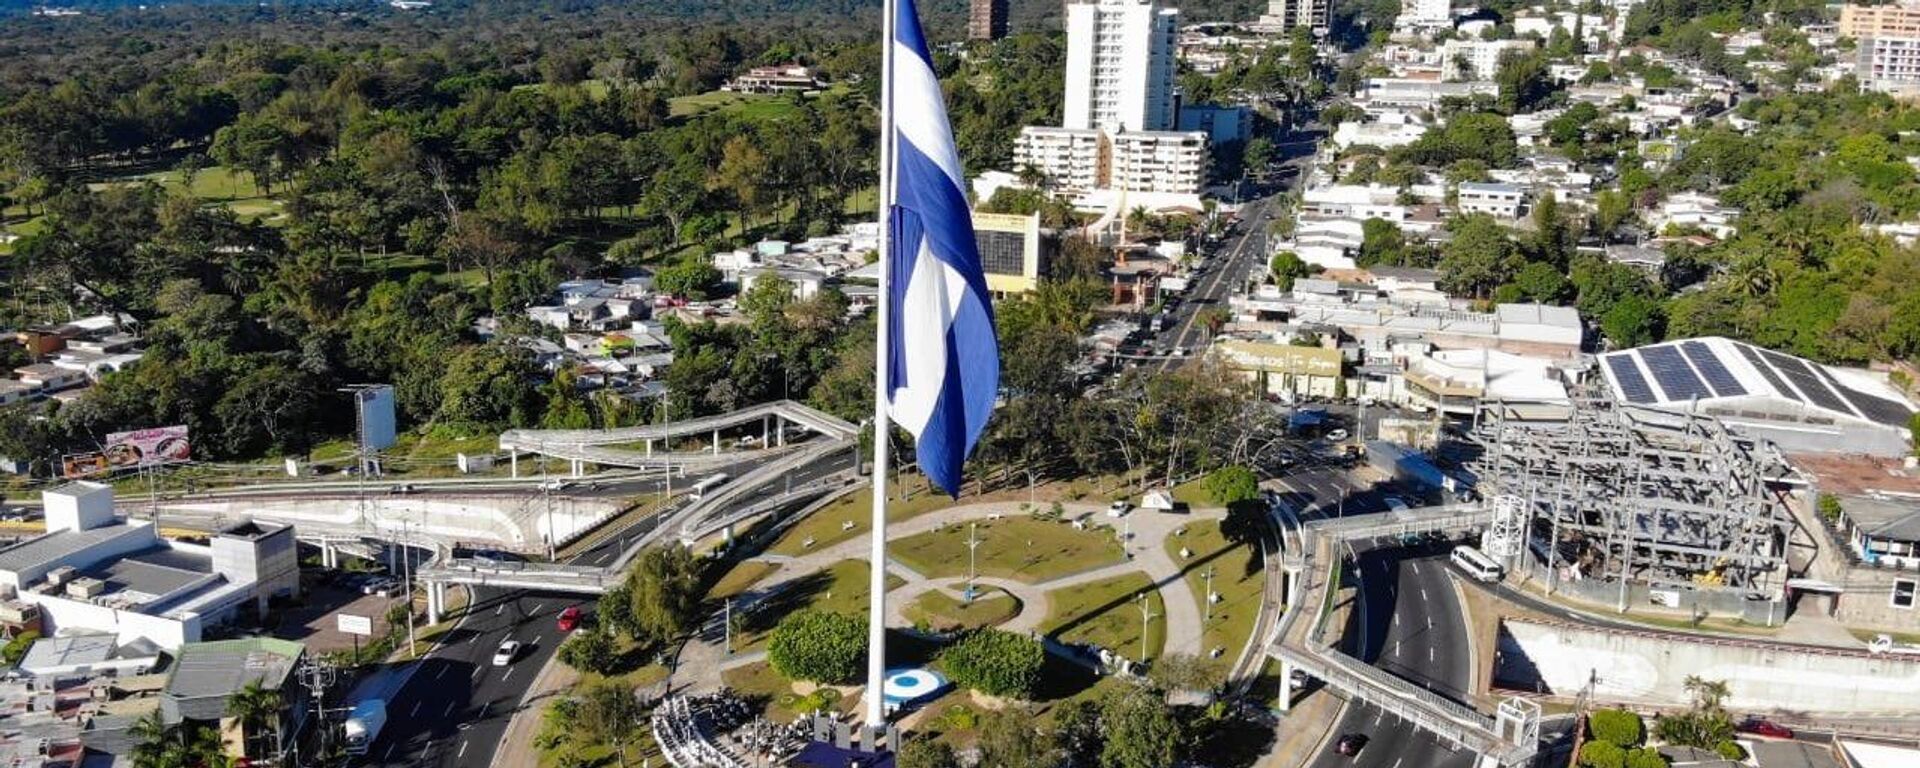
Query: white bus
{"points": [[707, 484], [1476, 564]]}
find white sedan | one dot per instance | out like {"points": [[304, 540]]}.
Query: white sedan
{"points": [[1337, 435], [508, 650]]}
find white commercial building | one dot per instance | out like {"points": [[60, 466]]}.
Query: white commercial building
{"points": [[96, 573], [1400, 94], [1120, 65], [1477, 59], [1889, 65], [1069, 158], [1353, 201], [1501, 201]]}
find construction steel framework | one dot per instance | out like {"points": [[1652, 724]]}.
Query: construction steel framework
{"points": [[1638, 495]]}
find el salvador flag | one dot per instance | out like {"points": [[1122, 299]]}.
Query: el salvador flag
{"points": [[943, 355]]}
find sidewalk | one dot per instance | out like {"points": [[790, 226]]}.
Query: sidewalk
{"points": [[1303, 731], [516, 744]]}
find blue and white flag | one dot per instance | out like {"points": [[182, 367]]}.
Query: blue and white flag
{"points": [[943, 355]]}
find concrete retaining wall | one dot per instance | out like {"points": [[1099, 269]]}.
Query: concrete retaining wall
{"points": [[508, 522], [1649, 668]]}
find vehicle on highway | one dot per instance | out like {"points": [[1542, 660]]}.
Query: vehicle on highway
{"points": [[569, 619], [380, 585], [1179, 351], [1118, 509], [506, 653], [1395, 504], [1351, 744], [1760, 726], [1337, 435], [1477, 564], [403, 489], [556, 485], [707, 484], [364, 724]]}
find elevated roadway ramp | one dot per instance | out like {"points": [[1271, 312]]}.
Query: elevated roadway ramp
{"points": [[1305, 643], [715, 505]]}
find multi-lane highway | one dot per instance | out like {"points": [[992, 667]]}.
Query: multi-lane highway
{"points": [[1409, 622], [455, 707]]}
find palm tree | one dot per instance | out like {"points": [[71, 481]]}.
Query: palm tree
{"points": [[1707, 694], [258, 710]]}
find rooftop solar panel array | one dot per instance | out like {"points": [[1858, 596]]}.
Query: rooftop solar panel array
{"points": [[1877, 409], [1672, 373], [1723, 382], [1803, 377], [1767, 372], [1627, 375]]}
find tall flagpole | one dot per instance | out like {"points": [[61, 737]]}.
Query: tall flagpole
{"points": [[877, 560]]}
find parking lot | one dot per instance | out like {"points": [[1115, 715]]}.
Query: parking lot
{"points": [[315, 621]]}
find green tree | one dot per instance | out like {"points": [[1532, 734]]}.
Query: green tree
{"points": [[1231, 485], [1540, 282], [1287, 267], [996, 662], [1479, 257], [1621, 727], [1523, 81], [1381, 242], [691, 277], [666, 591], [609, 713], [258, 709], [819, 646], [589, 651], [1012, 738], [16, 648], [1141, 730], [488, 385], [1602, 754], [926, 752]]}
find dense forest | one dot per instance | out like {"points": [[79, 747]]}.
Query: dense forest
{"points": [[286, 197]]}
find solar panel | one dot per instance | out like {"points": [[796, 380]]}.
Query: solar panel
{"points": [[1627, 375], [1877, 409], [1672, 373], [1718, 377], [1767, 372], [1803, 377]]}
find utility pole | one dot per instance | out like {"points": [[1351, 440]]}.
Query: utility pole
{"points": [[406, 562], [728, 630], [1146, 621], [546, 492]]}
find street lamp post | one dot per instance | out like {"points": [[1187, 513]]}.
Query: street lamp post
{"points": [[1209, 596], [973, 543], [1146, 621]]}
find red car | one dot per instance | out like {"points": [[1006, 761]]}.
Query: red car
{"points": [[1767, 728], [570, 618]]}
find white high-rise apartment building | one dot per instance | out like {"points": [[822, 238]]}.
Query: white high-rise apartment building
{"points": [[1889, 65], [1477, 59], [1120, 66]]}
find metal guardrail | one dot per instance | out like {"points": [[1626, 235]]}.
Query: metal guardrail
{"points": [[695, 530], [798, 413], [1458, 724]]}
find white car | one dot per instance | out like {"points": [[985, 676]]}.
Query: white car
{"points": [[1118, 509], [508, 650], [1337, 435]]}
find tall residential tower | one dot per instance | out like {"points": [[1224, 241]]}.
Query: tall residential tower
{"points": [[987, 20], [1120, 66]]}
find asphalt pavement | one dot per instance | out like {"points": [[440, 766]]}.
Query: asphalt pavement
{"points": [[455, 708]]}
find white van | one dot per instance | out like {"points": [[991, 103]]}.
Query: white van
{"points": [[1477, 564]]}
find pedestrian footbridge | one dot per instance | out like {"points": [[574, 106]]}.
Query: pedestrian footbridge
{"points": [[634, 447]]}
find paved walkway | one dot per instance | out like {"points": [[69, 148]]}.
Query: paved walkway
{"points": [[702, 658]]}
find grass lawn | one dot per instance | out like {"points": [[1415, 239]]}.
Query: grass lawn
{"points": [[1868, 635], [825, 527], [1107, 614], [745, 105], [759, 681], [1019, 547], [1192, 494], [741, 576], [944, 612], [840, 588], [1237, 579]]}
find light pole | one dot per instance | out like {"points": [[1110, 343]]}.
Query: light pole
{"points": [[406, 561], [1146, 621], [728, 628], [973, 543], [1209, 595]]}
